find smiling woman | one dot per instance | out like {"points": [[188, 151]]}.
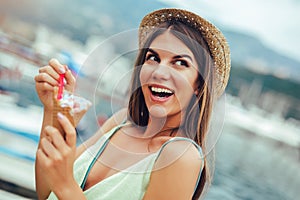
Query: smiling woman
{"points": [[168, 76], [158, 150]]}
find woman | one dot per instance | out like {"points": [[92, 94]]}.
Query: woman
{"points": [[156, 152]]}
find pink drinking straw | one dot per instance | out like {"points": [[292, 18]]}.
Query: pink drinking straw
{"points": [[60, 86]]}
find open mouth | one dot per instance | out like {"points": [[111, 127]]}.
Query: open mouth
{"points": [[160, 92]]}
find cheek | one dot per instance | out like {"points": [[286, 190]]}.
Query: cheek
{"points": [[185, 82], [145, 74], [186, 89]]}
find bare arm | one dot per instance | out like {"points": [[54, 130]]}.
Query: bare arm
{"points": [[175, 173]]}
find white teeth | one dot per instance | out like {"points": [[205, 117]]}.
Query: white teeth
{"points": [[159, 90]]}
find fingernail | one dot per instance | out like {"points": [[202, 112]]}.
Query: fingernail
{"points": [[62, 70], [59, 115]]}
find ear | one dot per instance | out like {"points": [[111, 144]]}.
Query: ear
{"points": [[197, 87], [196, 91]]}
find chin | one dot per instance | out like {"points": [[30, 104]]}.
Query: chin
{"points": [[158, 111]]}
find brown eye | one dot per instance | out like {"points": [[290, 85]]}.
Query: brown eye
{"points": [[152, 57], [181, 63]]}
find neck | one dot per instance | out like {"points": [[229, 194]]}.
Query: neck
{"points": [[162, 126]]}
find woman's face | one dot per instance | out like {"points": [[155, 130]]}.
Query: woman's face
{"points": [[168, 76]]}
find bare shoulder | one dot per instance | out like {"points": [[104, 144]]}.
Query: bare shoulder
{"points": [[110, 123], [181, 153], [175, 172]]}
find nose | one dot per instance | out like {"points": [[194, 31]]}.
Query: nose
{"points": [[161, 72]]}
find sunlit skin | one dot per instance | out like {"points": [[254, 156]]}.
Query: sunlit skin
{"points": [[170, 65]]}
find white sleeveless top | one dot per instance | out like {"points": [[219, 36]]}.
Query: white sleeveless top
{"points": [[129, 184]]}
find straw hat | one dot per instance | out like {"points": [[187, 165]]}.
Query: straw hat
{"points": [[216, 41]]}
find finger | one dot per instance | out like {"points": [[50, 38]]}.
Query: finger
{"points": [[59, 68], [44, 77], [42, 157], [44, 86], [49, 70], [49, 150], [56, 137], [69, 130], [70, 81]]}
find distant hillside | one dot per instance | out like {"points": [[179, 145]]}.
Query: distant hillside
{"points": [[251, 51]]}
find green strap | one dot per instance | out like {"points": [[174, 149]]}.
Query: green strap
{"points": [[99, 153]]}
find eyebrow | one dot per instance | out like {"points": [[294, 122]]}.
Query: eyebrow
{"points": [[152, 51], [175, 57], [184, 56]]}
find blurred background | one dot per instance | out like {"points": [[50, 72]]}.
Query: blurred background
{"points": [[258, 153]]}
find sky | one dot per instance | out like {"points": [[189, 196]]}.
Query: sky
{"points": [[275, 22]]}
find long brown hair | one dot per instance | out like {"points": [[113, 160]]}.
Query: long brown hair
{"points": [[196, 121]]}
